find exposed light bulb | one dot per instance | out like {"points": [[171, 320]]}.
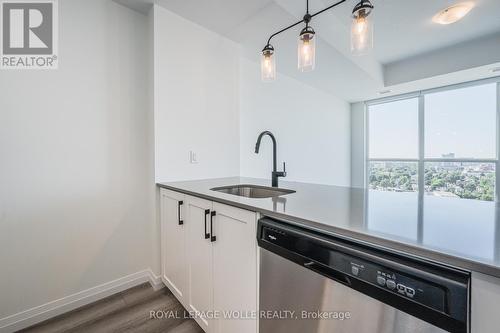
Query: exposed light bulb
{"points": [[268, 64], [306, 51], [361, 25]]}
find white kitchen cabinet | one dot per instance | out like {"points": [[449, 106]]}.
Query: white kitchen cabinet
{"points": [[485, 299], [199, 260], [235, 268], [214, 253], [173, 249]]}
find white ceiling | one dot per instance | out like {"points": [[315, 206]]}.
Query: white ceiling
{"points": [[404, 28], [404, 37]]}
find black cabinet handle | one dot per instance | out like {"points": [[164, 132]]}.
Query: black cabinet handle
{"points": [[179, 204], [213, 238], [207, 235]]}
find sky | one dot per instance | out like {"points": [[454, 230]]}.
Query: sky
{"points": [[460, 121]]}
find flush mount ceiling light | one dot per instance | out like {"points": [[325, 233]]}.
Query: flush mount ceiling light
{"points": [[361, 39], [453, 13]]}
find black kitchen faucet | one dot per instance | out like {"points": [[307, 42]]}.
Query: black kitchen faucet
{"points": [[275, 174]]}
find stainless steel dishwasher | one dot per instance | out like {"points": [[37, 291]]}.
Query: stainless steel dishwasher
{"points": [[311, 283]]}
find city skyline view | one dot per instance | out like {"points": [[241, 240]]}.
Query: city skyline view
{"points": [[458, 124]]}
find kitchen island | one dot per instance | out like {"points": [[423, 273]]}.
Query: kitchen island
{"points": [[204, 262], [458, 232]]}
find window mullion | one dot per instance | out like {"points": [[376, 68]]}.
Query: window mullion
{"points": [[497, 176], [421, 143], [420, 169], [497, 164]]}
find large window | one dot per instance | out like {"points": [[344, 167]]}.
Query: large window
{"points": [[440, 143]]}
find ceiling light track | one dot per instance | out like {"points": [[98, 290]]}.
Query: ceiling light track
{"points": [[361, 39], [306, 19]]}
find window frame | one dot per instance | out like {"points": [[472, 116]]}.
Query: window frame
{"points": [[421, 159]]}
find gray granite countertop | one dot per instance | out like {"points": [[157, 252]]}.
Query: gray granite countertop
{"points": [[459, 232]]}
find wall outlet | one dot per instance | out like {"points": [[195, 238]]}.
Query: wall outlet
{"points": [[193, 159]]}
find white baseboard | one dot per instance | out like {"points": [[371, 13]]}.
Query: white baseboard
{"points": [[155, 281], [49, 310]]}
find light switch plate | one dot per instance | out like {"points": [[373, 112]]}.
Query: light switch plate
{"points": [[193, 159]]}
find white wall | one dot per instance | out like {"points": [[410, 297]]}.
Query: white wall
{"points": [[358, 154], [312, 129], [451, 60], [196, 100], [77, 163], [208, 98]]}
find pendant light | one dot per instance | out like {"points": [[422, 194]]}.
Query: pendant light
{"points": [[361, 39], [268, 64], [361, 28], [306, 51]]}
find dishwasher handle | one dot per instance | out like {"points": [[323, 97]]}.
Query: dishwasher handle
{"points": [[328, 272]]}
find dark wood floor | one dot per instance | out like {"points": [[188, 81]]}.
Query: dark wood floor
{"points": [[128, 311]]}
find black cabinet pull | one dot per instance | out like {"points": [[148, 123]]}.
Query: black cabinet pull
{"points": [[179, 204], [213, 238], [207, 235]]}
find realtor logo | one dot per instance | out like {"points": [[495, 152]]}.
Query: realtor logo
{"points": [[29, 34]]}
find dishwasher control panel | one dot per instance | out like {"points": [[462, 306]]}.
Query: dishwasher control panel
{"points": [[389, 280], [426, 293]]}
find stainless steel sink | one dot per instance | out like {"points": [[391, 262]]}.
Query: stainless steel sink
{"points": [[253, 191]]}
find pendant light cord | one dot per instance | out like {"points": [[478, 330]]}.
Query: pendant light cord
{"points": [[303, 20]]}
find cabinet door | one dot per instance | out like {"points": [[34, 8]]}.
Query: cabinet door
{"points": [[235, 267], [485, 297], [173, 255], [199, 249]]}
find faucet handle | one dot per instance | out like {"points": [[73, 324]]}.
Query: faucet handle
{"points": [[283, 174]]}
